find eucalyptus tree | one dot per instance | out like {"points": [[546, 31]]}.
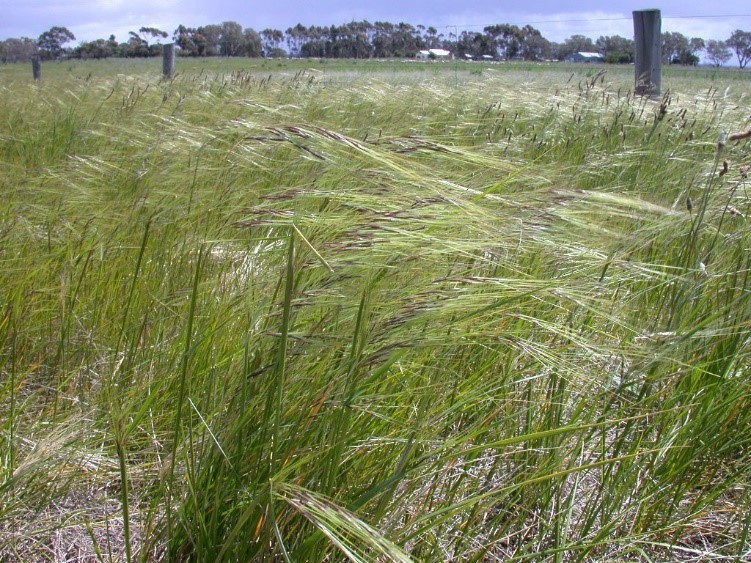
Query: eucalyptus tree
{"points": [[382, 40], [616, 49], [252, 45], [231, 40], [507, 39], [718, 52], [575, 44], [151, 33], [272, 41], [14, 50], [97, 49], [474, 44], [51, 42], [740, 42], [406, 40], [534, 46], [136, 46], [296, 38], [432, 37], [679, 49]]}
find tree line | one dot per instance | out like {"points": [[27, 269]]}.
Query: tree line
{"points": [[364, 40]]}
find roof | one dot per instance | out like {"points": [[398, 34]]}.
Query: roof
{"points": [[435, 53]]}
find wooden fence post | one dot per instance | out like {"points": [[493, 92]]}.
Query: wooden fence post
{"points": [[648, 46], [36, 67], [168, 60]]}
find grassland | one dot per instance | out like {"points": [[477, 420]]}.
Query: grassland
{"points": [[302, 311]]}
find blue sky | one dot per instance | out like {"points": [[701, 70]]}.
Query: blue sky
{"points": [[93, 19]]}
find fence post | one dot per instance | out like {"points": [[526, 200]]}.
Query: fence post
{"points": [[168, 60], [36, 67], [648, 46]]}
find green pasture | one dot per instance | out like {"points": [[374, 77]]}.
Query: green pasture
{"points": [[373, 311]]}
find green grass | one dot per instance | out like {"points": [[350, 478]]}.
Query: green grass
{"points": [[307, 312]]}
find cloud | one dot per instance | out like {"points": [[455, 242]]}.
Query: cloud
{"points": [[95, 19], [559, 26]]}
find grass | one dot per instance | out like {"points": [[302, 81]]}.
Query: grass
{"points": [[330, 314]]}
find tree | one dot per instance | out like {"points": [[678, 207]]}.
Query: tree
{"points": [[318, 43], [184, 38], [695, 45], [190, 41], [296, 37], [534, 46], [575, 44], [354, 40], [51, 41], [15, 50], [740, 42], [507, 39], [679, 49], [672, 44], [405, 41], [272, 39], [474, 44], [616, 49], [150, 34], [203, 41], [97, 49], [211, 35], [231, 41], [432, 38], [136, 46], [382, 39], [718, 52], [251, 46], [358, 39], [153, 33], [113, 45]]}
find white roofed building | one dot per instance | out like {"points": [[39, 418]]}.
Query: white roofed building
{"points": [[434, 54], [585, 57]]}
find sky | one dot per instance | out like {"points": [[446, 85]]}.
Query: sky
{"points": [[95, 19]]}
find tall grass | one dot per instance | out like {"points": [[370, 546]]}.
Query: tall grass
{"points": [[307, 315]]}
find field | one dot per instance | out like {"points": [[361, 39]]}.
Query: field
{"points": [[318, 311]]}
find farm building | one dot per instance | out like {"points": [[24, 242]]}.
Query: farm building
{"points": [[434, 54], [585, 57]]}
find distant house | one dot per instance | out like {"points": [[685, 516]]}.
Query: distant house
{"points": [[434, 54], [585, 57]]}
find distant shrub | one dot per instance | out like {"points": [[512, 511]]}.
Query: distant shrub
{"points": [[619, 58]]}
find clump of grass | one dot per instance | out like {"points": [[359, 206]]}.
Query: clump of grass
{"points": [[302, 318]]}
